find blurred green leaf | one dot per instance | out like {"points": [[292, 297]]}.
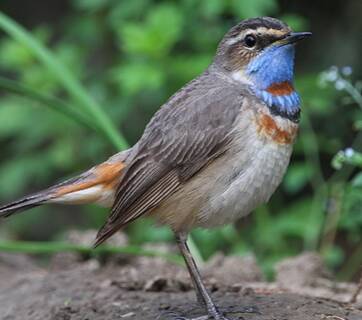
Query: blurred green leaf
{"points": [[297, 177], [56, 247], [253, 8], [357, 180], [212, 8], [92, 5], [348, 156], [187, 67], [351, 218], [296, 22], [153, 234], [334, 256], [134, 77], [156, 36]]}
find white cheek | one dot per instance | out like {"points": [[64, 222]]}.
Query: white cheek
{"points": [[241, 77]]}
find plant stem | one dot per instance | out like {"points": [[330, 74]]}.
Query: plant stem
{"points": [[56, 247], [69, 82], [353, 264], [318, 184], [52, 102], [355, 94], [333, 214]]}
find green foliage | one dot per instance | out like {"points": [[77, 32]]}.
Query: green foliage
{"points": [[253, 8], [108, 65], [56, 247], [64, 76], [346, 203]]}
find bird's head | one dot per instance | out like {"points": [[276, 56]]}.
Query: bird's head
{"points": [[260, 52]]}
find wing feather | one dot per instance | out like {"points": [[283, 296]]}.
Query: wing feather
{"points": [[188, 132]]}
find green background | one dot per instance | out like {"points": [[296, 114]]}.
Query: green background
{"points": [[81, 64]]}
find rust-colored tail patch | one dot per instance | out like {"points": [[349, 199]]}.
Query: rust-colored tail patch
{"points": [[99, 186], [105, 174]]}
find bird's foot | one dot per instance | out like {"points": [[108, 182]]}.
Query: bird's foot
{"points": [[225, 313]]}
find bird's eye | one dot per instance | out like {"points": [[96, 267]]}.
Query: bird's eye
{"points": [[250, 41]]}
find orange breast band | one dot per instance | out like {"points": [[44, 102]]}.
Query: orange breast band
{"points": [[269, 128], [280, 88]]}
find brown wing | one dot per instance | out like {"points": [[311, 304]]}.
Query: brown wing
{"points": [[188, 132]]}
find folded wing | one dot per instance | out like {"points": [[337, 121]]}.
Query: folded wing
{"points": [[188, 132]]}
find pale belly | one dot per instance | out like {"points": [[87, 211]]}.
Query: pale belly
{"points": [[231, 186], [236, 193]]}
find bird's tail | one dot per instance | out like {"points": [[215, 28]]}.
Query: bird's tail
{"points": [[97, 185], [24, 203]]}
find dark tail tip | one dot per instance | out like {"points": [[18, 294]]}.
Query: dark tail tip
{"points": [[23, 204]]}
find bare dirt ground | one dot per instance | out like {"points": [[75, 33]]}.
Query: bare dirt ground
{"points": [[71, 288]]}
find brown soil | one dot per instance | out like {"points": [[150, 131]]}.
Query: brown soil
{"points": [[150, 288]]}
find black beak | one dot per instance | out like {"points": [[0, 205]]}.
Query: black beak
{"points": [[294, 37]]}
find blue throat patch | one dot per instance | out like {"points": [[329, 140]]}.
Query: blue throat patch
{"points": [[272, 74]]}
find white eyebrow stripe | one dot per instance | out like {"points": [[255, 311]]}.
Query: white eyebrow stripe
{"points": [[274, 32], [260, 30]]}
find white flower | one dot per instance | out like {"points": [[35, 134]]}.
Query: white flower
{"points": [[340, 84], [347, 71], [349, 152]]}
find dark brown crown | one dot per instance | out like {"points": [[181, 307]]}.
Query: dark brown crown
{"points": [[232, 53], [255, 23]]}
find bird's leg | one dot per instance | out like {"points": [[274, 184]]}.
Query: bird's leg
{"points": [[201, 291]]}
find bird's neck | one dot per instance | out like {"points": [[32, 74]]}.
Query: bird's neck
{"points": [[281, 98], [271, 77]]}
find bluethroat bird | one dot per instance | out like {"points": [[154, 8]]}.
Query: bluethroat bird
{"points": [[214, 151]]}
